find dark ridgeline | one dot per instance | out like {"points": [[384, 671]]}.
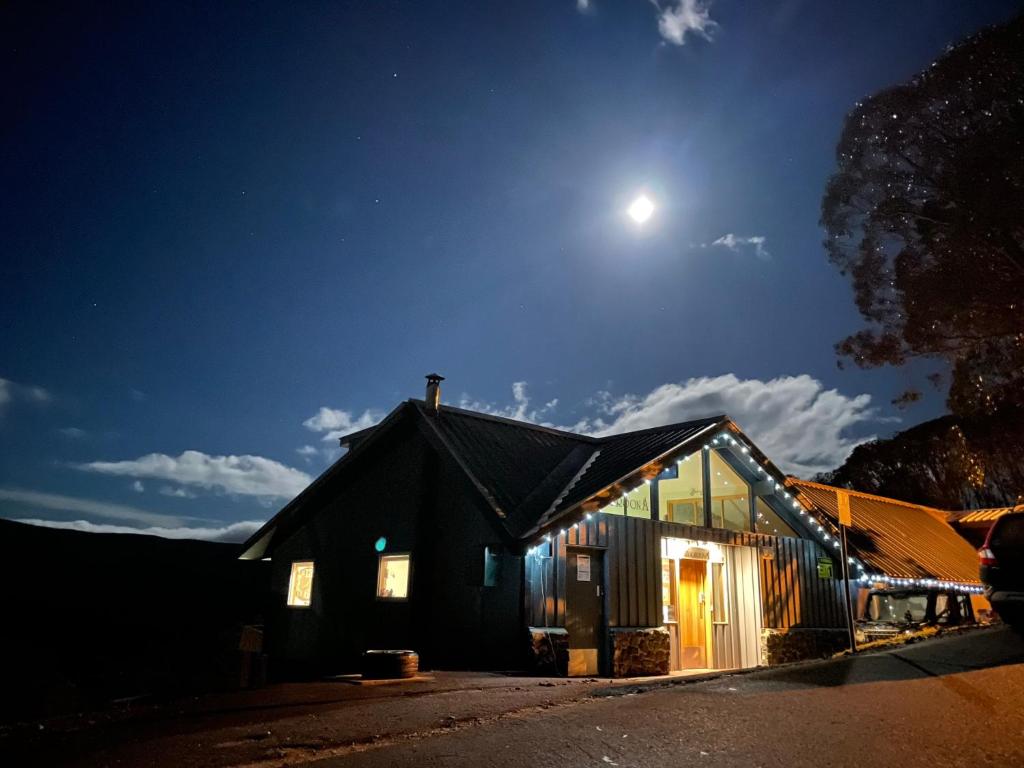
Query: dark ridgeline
{"points": [[90, 617]]}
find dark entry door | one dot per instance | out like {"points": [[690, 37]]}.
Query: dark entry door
{"points": [[584, 614]]}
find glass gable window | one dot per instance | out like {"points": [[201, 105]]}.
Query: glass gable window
{"points": [[767, 520], [681, 492], [636, 503], [730, 496], [393, 577], [300, 585]]}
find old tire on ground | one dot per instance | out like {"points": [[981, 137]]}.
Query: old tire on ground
{"points": [[390, 665]]}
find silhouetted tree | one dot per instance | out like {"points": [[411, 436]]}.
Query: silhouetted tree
{"points": [[950, 463], [925, 213]]}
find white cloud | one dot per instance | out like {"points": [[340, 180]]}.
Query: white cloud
{"points": [[338, 423], [583, 5], [677, 18], [177, 493], [519, 410], [241, 475], [138, 487], [799, 424], [72, 432], [37, 394], [86, 506], [735, 243], [307, 451], [232, 533], [11, 391]]}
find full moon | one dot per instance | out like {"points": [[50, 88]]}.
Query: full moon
{"points": [[640, 210]]}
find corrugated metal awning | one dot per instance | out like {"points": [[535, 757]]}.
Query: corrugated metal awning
{"points": [[897, 539]]}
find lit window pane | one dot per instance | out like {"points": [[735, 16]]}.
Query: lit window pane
{"points": [[300, 584], [768, 521], [393, 577], [681, 492], [730, 496]]}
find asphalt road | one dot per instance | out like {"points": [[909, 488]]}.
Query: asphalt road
{"points": [[949, 702], [953, 701]]}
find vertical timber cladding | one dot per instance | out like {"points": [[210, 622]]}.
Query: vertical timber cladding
{"points": [[545, 576], [792, 594]]}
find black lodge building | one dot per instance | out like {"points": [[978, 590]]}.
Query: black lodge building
{"points": [[483, 542]]}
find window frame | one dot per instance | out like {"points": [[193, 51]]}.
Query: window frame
{"points": [[408, 579], [698, 509], [291, 583]]}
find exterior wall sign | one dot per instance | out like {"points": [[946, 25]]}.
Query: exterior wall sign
{"points": [[825, 568], [582, 567], [696, 553]]}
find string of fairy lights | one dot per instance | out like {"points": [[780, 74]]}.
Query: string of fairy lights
{"points": [[819, 525]]}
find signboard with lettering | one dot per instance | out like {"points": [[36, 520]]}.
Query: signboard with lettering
{"points": [[825, 568], [845, 518]]}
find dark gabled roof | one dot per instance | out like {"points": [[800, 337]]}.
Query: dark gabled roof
{"points": [[509, 458], [622, 455], [533, 474], [530, 475], [895, 538]]}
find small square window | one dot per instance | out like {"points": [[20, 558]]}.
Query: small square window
{"points": [[393, 577], [300, 584]]}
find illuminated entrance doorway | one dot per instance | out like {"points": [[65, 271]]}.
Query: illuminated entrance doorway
{"points": [[711, 604], [692, 624]]}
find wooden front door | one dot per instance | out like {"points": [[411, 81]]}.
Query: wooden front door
{"points": [[584, 610], [692, 615]]}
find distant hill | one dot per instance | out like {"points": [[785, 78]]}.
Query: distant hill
{"points": [[91, 617], [950, 463]]}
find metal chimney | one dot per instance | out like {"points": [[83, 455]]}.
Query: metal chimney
{"points": [[433, 398]]}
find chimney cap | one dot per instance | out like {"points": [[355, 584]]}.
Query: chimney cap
{"points": [[434, 377]]}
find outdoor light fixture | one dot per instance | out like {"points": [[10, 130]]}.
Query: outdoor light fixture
{"points": [[380, 544]]}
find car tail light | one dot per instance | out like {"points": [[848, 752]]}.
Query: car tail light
{"points": [[987, 556]]}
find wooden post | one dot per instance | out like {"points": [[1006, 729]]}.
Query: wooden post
{"points": [[845, 519]]}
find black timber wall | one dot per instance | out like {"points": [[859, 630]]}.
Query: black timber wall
{"points": [[792, 594], [422, 504]]}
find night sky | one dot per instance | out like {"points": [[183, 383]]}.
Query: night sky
{"points": [[231, 232]]}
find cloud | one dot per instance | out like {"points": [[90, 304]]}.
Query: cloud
{"points": [[241, 475], [519, 409], [11, 391], [583, 6], [677, 18], [233, 533], [307, 450], [338, 423], [86, 506], [735, 243], [800, 425], [72, 432], [138, 487], [177, 493]]}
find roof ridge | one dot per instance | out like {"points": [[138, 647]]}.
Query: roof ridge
{"points": [[510, 422], [665, 427]]}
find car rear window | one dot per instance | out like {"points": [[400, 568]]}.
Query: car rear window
{"points": [[1009, 531]]}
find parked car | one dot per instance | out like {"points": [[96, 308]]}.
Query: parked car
{"points": [[891, 612], [1002, 568]]}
